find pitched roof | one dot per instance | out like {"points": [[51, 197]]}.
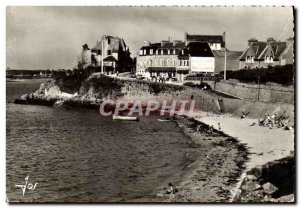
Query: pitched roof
{"points": [[199, 49], [278, 48], [110, 58], [115, 44], [166, 45], [206, 38], [261, 48], [257, 47]]}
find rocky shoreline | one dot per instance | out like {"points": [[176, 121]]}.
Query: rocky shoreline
{"points": [[216, 164], [216, 167]]}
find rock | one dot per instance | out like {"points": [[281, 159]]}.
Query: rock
{"points": [[273, 200], [251, 178], [257, 171], [269, 188], [287, 198], [251, 186]]}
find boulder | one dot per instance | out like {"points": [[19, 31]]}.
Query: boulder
{"points": [[251, 186], [257, 171], [269, 188], [287, 198]]}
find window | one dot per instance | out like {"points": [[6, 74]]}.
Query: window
{"points": [[162, 52], [249, 59], [156, 62], [144, 51], [271, 59], [174, 51], [168, 51], [108, 52], [99, 52], [156, 52], [161, 62], [168, 62], [151, 51], [174, 62], [150, 62], [182, 51], [187, 62], [141, 52]]}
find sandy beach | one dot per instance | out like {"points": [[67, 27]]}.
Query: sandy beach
{"points": [[264, 144]]}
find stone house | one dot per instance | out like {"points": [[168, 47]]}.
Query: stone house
{"points": [[116, 55], [267, 53]]}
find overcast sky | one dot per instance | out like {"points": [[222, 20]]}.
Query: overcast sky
{"points": [[51, 37]]}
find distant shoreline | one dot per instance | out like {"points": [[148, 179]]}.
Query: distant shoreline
{"points": [[24, 80]]}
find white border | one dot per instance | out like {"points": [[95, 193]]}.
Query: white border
{"points": [[103, 3]]}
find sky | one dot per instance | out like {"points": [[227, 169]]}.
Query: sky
{"points": [[52, 37]]}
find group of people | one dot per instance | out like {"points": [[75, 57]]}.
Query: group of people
{"points": [[274, 121]]}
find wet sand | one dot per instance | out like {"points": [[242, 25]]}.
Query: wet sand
{"points": [[213, 169]]}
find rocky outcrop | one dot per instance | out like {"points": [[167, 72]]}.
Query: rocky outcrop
{"points": [[273, 182]]}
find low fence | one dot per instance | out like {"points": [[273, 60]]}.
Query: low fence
{"points": [[263, 93]]}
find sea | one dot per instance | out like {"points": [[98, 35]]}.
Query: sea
{"points": [[56, 154]]}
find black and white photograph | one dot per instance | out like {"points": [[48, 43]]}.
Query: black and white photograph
{"points": [[150, 104]]}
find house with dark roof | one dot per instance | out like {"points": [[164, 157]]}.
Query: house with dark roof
{"points": [[201, 57], [174, 58], [216, 42], [267, 53], [218, 47], [116, 55]]}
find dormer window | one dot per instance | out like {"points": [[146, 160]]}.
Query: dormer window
{"points": [[156, 52], [151, 51], [144, 51], [182, 52], [174, 51], [161, 52], [249, 59], [168, 51]]}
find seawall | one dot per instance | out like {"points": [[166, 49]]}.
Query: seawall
{"points": [[94, 91]]}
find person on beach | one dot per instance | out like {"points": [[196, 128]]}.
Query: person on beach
{"points": [[172, 189], [219, 125]]}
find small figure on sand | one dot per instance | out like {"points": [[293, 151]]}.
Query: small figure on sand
{"points": [[219, 125], [275, 121], [244, 114], [198, 128], [171, 189]]}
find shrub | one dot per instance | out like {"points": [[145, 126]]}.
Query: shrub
{"points": [[278, 74]]}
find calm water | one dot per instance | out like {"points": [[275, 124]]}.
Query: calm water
{"points": [[75, 155]]}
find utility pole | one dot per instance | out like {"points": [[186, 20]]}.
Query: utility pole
{"points": [[258, 82], [225, 58], [102, 54]]}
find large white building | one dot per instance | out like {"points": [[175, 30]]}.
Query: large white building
{"points": [[177, 58]]}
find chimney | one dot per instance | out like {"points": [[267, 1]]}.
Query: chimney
{"points": [[252, 40], [185, 36], [270, 40], [146, 43]]}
